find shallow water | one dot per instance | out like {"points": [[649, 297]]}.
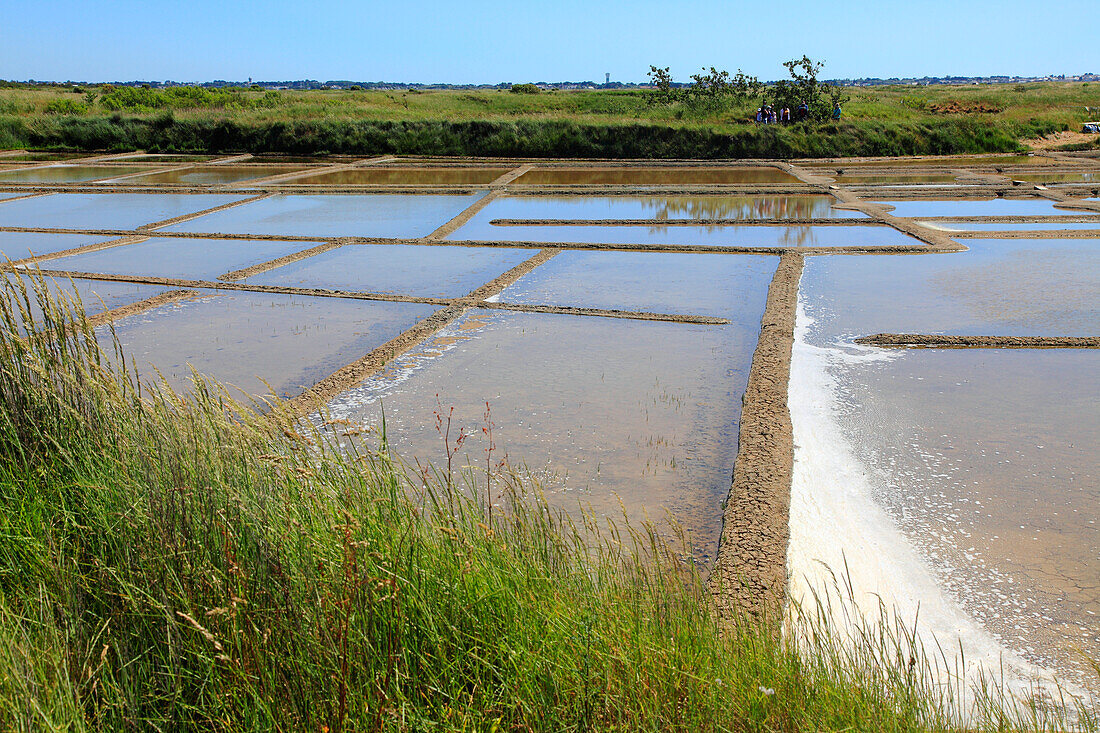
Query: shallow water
{"points": [[368, 215], [975, 207], [32, 156], [307, 158], [954, 162], [410, 176], [898, 179], [193, 259], [170, 158], [95, 296], [664, 207], [406, 269], [242, 338], [479, 229], [68, 173], [1083, 177], [20, 245], [991, 473], [663, 282], [1006, 287], [974, 226], [864, 436], [597, 409], [653, 176], [105, 211], [215, 174]]}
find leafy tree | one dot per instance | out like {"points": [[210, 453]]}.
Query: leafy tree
{"points": [[803, 86], [712, 89]]}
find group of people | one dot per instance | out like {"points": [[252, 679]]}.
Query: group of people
{"points": [[767, 115]]}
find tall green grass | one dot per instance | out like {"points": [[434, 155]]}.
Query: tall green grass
{"points": [[191, 563], [561, 138]]}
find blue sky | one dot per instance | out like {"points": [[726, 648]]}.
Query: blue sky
{"points": [[488, 41]]}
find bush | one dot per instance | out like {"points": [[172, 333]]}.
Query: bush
{"points": [[524, 89], [66, 107]]}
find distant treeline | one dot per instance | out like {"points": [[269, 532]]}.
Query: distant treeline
{"points": [[520, 138]]}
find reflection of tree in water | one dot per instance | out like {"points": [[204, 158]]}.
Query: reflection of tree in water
{"points": [[744, 208], [737, 207]]}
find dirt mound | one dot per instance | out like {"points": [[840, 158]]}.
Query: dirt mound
{"points": [[959, 108], [1058, 140]]}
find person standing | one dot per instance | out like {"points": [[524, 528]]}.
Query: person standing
{"points": [[836, 111]]}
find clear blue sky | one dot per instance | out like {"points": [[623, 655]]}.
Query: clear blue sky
{"points": [[488, 41]]}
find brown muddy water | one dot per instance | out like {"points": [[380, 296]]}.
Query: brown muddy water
{"points": [[653, 176], [68, 173], [212, 174], [901, 179], [407, 176]]}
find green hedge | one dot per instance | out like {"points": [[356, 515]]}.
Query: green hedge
{"points": [[523, 138]]}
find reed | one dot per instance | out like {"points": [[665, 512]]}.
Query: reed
{"points": [[188, 562]]}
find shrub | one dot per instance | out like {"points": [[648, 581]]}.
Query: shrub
{"points": [[524, 89], [66, 107]]}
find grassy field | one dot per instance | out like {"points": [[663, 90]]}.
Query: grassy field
{"points": [[190, 564], [877, 121]]}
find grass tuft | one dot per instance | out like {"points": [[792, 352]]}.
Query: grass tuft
{"points": [[188, 562]]}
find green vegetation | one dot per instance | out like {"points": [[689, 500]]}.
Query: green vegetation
{"points": [[172, 563], [611, 124], [524, 89]]}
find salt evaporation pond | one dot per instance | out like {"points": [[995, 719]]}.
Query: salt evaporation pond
{"points": [[665, 207], [172, 257], [405, 269], [245, 339], [593, 408], [339, 215], [961, 482], [123, 211]]}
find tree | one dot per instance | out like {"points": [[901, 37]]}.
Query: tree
{"points": [[712, 89], [804, 87]]}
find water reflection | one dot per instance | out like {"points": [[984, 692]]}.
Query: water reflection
{"points": [[654, 176]]}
